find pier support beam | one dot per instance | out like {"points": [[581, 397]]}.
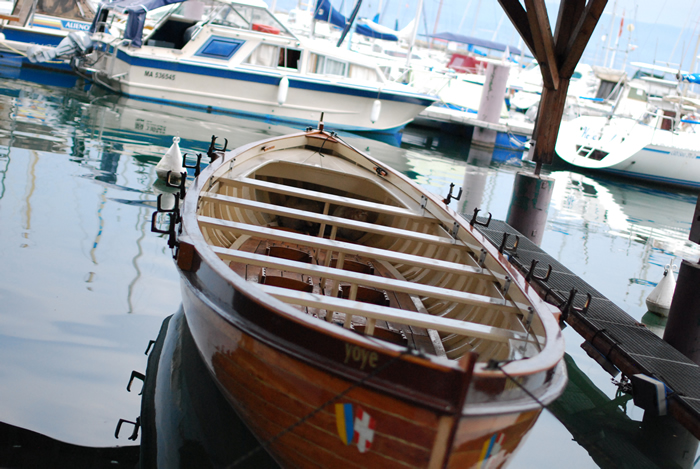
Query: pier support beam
{"points": [[683, 325], [491, 104], [528, 207]]}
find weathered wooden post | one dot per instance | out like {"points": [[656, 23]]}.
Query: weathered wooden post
{"points": [[683, 326], [557, 56]]}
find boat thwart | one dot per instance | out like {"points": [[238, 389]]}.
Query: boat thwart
{"points": [[353, 319]]}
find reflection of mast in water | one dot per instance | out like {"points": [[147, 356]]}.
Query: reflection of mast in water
{"points": [[30, 192], [103, 200]]}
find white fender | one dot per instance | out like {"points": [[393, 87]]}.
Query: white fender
{"points": [[282, 91], [659, 300], [171, 161], [376, 110]]}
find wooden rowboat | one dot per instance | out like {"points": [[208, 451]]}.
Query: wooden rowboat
{"points": [[354, 320]]}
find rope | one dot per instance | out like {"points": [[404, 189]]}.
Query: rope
{"points": [[318, 409]]}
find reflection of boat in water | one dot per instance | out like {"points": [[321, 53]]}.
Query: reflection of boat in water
{"points": [[644, 215], [342, 309], [185, 419]]}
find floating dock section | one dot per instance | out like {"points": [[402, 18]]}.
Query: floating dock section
{"points": [[619, 339]]}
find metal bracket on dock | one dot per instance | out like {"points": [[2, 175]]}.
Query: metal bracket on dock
{"points": [[180, 185], [197, 166], [504, 243], [474, 221], [531, 274], [136, 424], [449, 197], [135, 374], [568, 305], [213, 153]]}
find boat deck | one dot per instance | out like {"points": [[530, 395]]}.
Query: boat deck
{"points": [[618, 337]]}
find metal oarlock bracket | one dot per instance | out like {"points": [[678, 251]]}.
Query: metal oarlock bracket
{"points": [[135, 374], [213, 153], [197, 166], [474, 221], [568, 305], [504, 243], [455, 230], [172, 237], [180, 185], [531, 274], [136, 424], [151, 343], [506, 285], [449, 197], [482, 258]]}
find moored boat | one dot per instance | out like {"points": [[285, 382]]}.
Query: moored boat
{"points": [[353, 319], [660, 146], [235, 56]]}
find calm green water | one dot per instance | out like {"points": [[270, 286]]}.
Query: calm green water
{"points": [[85, 284]]}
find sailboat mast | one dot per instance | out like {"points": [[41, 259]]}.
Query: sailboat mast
{"points": [[607, 47], [437, 19], [414, 33]]}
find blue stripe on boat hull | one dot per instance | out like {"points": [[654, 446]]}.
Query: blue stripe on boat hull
{"points": [[294, 82]]}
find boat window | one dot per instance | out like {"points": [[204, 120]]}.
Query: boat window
{"points": [[359, 72], [219, 48], [250, 18], [637, 94], [608, 90], [289, 58], [327, 66], [268, 55]]}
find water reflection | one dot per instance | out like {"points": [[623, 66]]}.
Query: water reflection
{"points": [[86, 285]]}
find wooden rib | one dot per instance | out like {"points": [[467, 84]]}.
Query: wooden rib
{"points": [[340, 275], [388, 314], [544, 43], [347, 248], [323, 197], [327, 219]]}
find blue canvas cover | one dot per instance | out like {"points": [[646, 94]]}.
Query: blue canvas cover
{"points": [[366, 30], [692, 77], [474, 41], [136, 10], [325, 12]]}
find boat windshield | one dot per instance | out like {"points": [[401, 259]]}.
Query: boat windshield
{"points": [[250, 18]]}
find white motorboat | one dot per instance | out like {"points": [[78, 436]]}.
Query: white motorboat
{"points": [[235, 56], [662, 145]]}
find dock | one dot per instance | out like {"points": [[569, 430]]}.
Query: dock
{"points": [[619, 339], [437, 115]]}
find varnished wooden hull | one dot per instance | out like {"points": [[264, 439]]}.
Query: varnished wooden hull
{"points": [[289, 403], [316, 388]]}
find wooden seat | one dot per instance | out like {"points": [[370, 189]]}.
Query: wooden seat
{"points": [[366, 295], [291, 254], [285, 282], [354, 266]]}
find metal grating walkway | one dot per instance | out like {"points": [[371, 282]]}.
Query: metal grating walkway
{"points": [[626, 343]]}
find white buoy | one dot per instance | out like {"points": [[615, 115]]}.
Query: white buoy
{"points": [[376, 110], [659, 300], [171, 161], [282, 91]]}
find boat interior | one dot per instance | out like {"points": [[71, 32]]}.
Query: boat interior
{"points": [[343, 245]]}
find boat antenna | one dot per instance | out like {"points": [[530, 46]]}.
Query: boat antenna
{"points": [[320, 122]]}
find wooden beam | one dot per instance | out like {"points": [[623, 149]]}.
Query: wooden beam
{"points": [[570, 12], [580, 36], [517, 15], [552, 105], [544, 43]]}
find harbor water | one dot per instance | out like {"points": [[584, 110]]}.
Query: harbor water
{"points": [[86, 284]]}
